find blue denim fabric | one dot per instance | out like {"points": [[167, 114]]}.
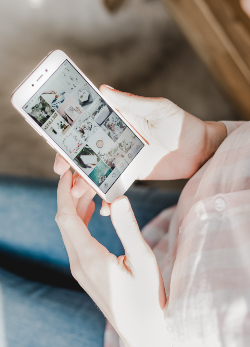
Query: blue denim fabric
{"points": [[42, 305], [38, 315]]}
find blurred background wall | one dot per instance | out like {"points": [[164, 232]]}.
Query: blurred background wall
{"points": [[137, 48]]}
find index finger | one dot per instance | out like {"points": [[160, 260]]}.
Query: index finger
{"points": [[67, 218], [89, 251], [65, 202], [61, 165], [130, 104]]}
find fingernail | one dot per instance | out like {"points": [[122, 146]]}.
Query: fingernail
{"points": [[104, 212], [123, 204], [109, 86], [55, 163]]}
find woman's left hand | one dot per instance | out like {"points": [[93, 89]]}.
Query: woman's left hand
{"points": [[129, 289]]}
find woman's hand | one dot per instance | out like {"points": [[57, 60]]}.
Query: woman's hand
{"points": [[179, 142], [129, 290]]}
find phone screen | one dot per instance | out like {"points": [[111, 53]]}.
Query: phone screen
{"points": [[70, 111]]}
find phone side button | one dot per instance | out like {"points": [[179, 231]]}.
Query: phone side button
{"points": [[50, 144], [33, 127]]}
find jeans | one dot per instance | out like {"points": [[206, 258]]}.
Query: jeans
{"points": [[40, 302]]}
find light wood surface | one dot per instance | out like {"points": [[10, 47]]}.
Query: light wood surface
{"points": [[219, 31]]}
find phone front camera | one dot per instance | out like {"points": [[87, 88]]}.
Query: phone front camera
{"points": [[33, 85]]}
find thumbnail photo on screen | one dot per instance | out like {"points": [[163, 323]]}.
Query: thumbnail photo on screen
{"points": [[76, 117]]}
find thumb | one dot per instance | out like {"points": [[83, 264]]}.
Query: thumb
{"points": [[127, 229], [135, 109], [128, 103], [140, 112]]}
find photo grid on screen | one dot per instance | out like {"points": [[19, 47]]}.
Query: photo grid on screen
{"points": [[76, 117]]}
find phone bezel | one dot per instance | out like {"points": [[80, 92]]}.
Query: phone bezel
{"points": [[28, 88]]}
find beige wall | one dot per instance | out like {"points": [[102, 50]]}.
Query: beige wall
{"points": [[137, 49]]}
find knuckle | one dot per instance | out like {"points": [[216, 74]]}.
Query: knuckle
{"points": [[62, 220], [131, 230], [76, 271], [129, 223], [165, 101]]}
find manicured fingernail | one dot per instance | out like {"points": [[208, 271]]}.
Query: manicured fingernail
{"points": [[123, 204], [109, 86]]}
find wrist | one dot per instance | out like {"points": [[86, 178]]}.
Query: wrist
{"points": [[216, 133]]}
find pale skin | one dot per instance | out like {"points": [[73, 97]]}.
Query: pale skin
{"points": [[129, 290], [180, 143]]}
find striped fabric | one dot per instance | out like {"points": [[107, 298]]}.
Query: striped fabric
{"points": [[203, 249]]}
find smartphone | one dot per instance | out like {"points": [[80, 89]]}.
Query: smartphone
{"points": [[68, 111]]}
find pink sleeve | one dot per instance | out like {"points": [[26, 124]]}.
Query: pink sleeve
{"points": [[232, 125]]}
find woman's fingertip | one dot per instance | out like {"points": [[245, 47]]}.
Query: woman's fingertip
{"points": [[122, 204], [72, 191], [105, 211], [75, 191]]}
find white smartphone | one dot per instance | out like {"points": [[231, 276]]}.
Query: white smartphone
{"points": [[70, 113]]}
